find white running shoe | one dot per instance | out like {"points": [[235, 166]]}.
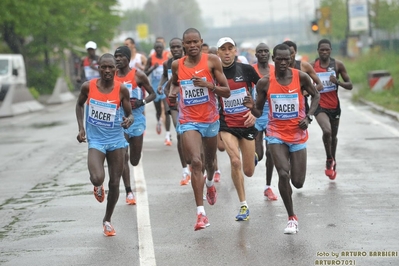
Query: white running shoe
{"points": [[292, 227]]}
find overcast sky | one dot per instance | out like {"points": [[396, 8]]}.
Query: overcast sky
{"points": [[222, 12]]}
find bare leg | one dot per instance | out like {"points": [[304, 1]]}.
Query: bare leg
{"points": [[115, 160]]}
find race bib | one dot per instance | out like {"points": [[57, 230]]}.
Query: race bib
{"points": [[284, 106], [325, 80], [233, 104], [157, 73], [192, 95], [102, 114]]}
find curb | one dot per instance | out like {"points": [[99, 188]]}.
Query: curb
{"points": [[393, 114]]}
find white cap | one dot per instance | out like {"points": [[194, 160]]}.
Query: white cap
{"points": [[225, 40], [91, 45]]}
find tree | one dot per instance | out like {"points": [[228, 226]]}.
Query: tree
{"points": [[170, 18], [40, 30], [339, 17], [386, 17]]}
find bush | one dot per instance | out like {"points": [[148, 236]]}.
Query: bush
{"points": [[43, 78], [376, 60], [34, 93]]}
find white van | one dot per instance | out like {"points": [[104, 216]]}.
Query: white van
{"points": [[12, 71]]}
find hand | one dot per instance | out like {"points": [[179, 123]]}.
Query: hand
{"points": [[251, 119], [304, 123], [81, 136], [156, 65], [127, 122], [333, 79], [199, 82], [248, 101], [160, 90]]}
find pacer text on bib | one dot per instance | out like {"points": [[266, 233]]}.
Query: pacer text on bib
{"points": [[101, 114], [284, 106], [193, 95]]}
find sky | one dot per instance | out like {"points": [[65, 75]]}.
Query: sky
{"points": [[222, 12]]}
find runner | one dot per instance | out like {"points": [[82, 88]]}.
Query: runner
{"points": [[176, 48], [287, 127], [328, 112], [237, 128], [104, 99], [137, 83], [263, 68], [137, 60], [154, 69], [305, 67], [193, 78]]}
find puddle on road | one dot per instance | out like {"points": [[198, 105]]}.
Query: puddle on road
{"points": [[22, 207], [49, 124]]}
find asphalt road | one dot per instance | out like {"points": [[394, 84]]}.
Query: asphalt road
{"points": [[49, 216]]}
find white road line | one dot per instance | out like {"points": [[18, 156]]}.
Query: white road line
{"points": [[393, 130], [146, 245]]}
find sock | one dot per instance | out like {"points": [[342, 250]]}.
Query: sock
{"points": [[128, 189], [266, 187], [185, 170], [209, 183], [200, 209], [244, 203], [217, 171], [167, 136], [293, 217]]}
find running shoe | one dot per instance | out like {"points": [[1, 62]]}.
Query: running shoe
{"points": [[130, 199], [108, 229], [243, 215], [256, 159], [268, 193], [292, 227], [202, 222], [186, 179], [216, 177], [159, 127], [99, 193], [211, 194], [168, 142], [330, 169]]}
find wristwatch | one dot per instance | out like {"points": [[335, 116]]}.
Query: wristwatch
{"points": [[310, 117], [144, 102]]}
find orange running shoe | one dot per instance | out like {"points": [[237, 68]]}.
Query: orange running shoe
{"points": [[186, 179], [330, 169], [268, 193], [108, 229], [99, 193], [202, 222], [130, 199], [211, 194], [168, 142]]}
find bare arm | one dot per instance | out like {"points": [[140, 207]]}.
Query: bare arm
{"points": [[125, 99], [223, 89], [308, 69], [148, 68], [341, 71], [79, 110], [143, 81], [262, 86], [174, 84], [164, 77], [311, 90], [143, 62]]}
